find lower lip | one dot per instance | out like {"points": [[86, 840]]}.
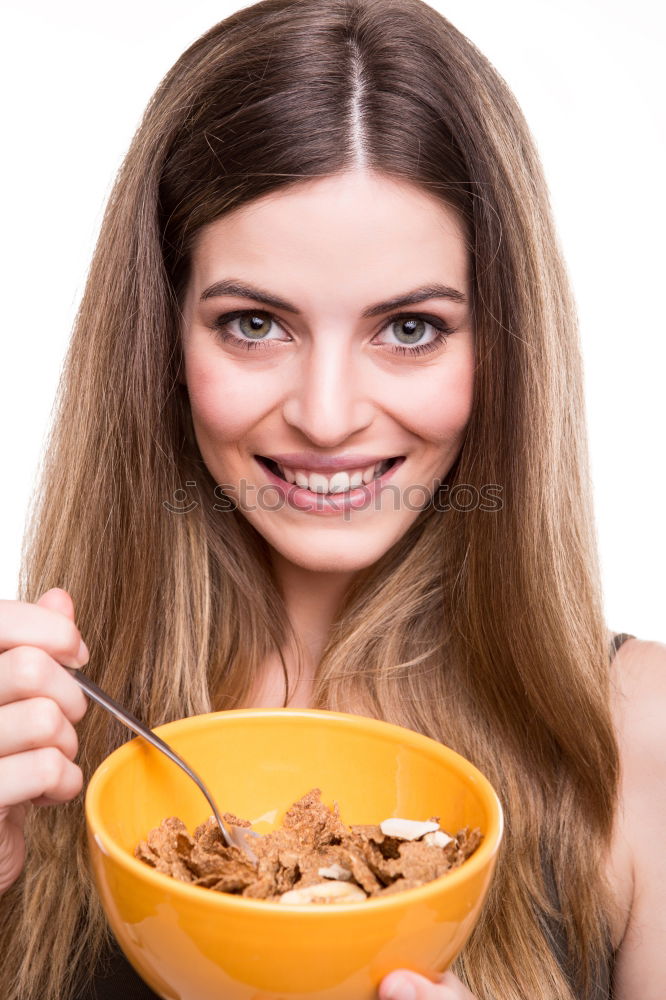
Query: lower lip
{"points": [[328, 504]]}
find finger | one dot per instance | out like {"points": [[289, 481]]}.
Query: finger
{"points": [[29, 672], [14, 815], [12, 855], [33, 723], [403, 984], [26, 624], [57, 599], [46, 771], [456, 989]]}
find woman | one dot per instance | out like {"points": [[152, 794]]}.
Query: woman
{"points": [[329, 252]]}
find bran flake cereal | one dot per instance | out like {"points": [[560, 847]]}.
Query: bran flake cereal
{"points": [[312, 858]]}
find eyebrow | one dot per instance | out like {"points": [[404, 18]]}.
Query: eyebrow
{"points": [[230, 286]]}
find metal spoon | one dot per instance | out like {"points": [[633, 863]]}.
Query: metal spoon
{"points": [[234, 836]]}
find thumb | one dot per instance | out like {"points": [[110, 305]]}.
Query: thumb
{"points": [[407, 985], [403, 984], [57, 599]]}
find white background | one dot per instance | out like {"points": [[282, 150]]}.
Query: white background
{"points": [[75, 77]]}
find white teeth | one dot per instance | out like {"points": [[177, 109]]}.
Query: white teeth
{"points": [[340, 482], [288, 474], [317, 483]]}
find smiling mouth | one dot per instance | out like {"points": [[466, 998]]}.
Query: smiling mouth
{"points": [[338, 483]]}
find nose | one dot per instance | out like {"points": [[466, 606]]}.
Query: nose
{"points": [[328, 401]]}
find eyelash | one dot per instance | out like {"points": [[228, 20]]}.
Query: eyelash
{"points": [[443, 331]]}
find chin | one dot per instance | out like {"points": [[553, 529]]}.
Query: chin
{"points": [[335, 554]]}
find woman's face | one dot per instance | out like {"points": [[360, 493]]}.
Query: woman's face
{"points": [[334, 376]]}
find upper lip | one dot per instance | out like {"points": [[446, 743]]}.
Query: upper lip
{"points": [[314, 462]]}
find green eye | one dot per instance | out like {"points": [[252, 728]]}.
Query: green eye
{"points": [[259, 329], [253, 329], [409, 331], [246, 321]]}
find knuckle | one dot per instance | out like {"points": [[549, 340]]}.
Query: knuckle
{"points": [[8, 611], [77, 779], [45, 719], [81, 706], [30, 669], [71, 740], [51, 766], [66, 637]]}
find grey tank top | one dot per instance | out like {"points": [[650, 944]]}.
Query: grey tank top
{"points": [[116, 979], [602, 988]]}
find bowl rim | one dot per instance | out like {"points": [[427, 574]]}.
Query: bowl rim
{"points": [[484, 854]]}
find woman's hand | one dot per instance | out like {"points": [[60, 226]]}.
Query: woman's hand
{"points": [[39, 704], [405, 985]]}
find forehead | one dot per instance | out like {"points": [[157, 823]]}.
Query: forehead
{"points": [[342, 240]]}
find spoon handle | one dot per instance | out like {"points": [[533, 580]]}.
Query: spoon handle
{"points": [[129, 720]]}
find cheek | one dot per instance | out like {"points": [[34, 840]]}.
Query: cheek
{"points": [[225, 401], [438, 405]]}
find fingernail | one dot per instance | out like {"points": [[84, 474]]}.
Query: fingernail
{"points": [[400, 988], [83, 655]]}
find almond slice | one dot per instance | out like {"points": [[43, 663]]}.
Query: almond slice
{"points": [[324, 892], [437, 839], [407, 829], [335, 871]]}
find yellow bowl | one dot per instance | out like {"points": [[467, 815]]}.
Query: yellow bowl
{"points": [[190, 943]]}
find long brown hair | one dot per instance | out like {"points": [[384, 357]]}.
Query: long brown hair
{"points": [[483, 629]]}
